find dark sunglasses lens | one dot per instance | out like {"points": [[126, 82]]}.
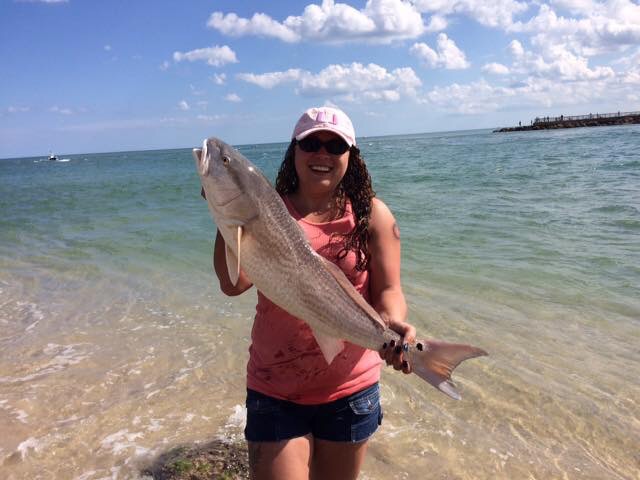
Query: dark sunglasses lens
{"points": [[336, 146], [310, 144]]}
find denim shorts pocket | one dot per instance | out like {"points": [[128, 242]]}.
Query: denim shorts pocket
{"points": [[366, 404], [366, 414]]}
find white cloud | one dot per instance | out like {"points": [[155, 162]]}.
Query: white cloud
{"points": [[259, 24], [542, 94], [13, 109], [599, 28], [476, 97], [425, 53], [448, 56], [107, 48], [516, 48], [272, 79], [232, 97], [437, 23], [490, 13], [351, 82], [164, 66], [215, 56], [183, 105], [219, 79], [557, 63], [495, 69], [576, 6], [587, 28], [395, 18], [61, 110], [381, 21]]}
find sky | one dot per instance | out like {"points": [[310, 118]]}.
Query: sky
{"points": [[83, 76]]}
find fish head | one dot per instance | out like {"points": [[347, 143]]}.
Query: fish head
{"points": [[230, 182]]}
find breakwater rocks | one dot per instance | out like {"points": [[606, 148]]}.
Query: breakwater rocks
{"points": [[591, 120]]}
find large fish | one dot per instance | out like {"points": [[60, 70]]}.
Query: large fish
{"points": [[268, 245]]}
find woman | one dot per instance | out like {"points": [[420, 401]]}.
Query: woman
{"points": [[307, 419]]}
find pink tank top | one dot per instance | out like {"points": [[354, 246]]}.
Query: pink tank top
{"points": [[285, 361]]}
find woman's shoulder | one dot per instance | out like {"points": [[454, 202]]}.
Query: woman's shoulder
{"points": [[379, 210], [381, 216]]}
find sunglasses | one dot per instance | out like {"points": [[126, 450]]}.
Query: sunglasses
{"points": [[335, 146]]}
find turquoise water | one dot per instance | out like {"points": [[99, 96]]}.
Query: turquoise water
{"points": [[117, 345]]}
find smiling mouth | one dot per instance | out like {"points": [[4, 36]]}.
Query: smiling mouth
{"points": [[320, 168]]}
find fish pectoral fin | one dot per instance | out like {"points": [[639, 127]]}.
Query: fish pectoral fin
{"points": [[330, 346], [233, 260], [348, 287]]}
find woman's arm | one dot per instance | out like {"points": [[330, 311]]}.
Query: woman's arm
{"points": [[385, 288], [220, 267]]}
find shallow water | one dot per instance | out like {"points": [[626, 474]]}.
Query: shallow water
{"points": [[117, 346]]}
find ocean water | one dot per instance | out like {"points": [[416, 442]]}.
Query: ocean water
{"points": [[116, 344]]}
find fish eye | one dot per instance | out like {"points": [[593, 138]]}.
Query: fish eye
{"points": [[226, 159]]}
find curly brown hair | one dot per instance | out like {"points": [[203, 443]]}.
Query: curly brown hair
{"points": [[355, 186]]}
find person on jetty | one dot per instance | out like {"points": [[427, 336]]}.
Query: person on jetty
{"points": [[307, 419]]}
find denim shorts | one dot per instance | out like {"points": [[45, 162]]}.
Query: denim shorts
{"points": [[350, 419]]}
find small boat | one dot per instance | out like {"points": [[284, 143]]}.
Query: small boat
{"points": [[52, 157]]}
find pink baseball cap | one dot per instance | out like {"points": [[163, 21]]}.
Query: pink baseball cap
{"points": [[325, 118]]}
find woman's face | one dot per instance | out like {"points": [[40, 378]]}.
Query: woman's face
{"points": [[321, 171]]}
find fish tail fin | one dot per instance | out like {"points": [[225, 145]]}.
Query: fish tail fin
{"points": [[434, 361]]}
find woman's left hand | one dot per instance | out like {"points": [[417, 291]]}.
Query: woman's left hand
{"points": [[393, 354]]}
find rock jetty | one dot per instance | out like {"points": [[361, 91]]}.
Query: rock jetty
{"points": [[591, 120]]}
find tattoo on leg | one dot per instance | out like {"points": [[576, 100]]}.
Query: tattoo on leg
{"points": [[396, 231], [255, 455]]}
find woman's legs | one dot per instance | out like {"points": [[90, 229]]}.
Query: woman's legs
{"points": [[306, 458], [336, 460], [287, 459]]}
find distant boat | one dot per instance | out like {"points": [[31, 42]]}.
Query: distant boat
{"points": [[52, 157]]}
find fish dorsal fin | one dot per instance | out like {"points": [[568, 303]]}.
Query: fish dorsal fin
{"points": [[329, 346], [233, 260], [348, 287]]}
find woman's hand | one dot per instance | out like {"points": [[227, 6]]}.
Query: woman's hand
{"points": [[393, 353]]}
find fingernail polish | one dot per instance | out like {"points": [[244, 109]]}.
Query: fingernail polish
{"points": [[384, 346], [398, 349], [392, 343]]}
